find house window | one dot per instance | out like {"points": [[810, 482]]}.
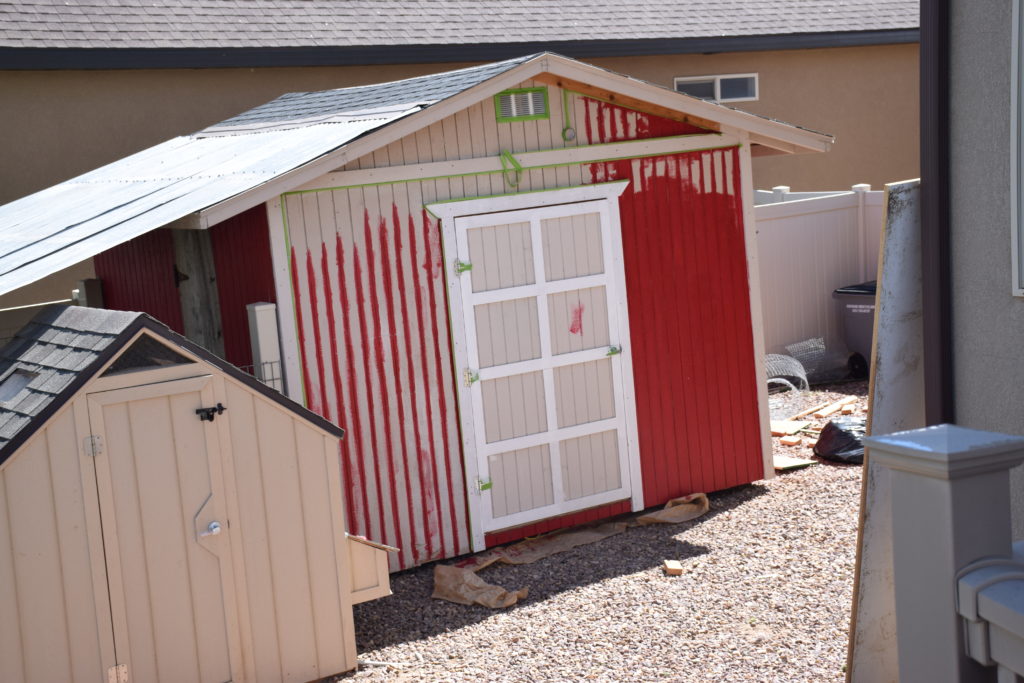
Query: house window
{"points": [[725, 88], [523, 104]]}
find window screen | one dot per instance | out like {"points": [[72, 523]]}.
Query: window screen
{"points": [[146, 352], [703, 89], [738, 88]]}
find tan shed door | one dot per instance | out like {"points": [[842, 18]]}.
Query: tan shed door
{"points": [[544, 330], [160, 489]]}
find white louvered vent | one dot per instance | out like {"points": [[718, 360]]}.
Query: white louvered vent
{"points": [[515, 105]]}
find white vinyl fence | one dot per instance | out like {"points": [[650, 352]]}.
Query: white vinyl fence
{"points": [[809, 244]]}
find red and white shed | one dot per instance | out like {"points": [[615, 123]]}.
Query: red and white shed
{"points": [[527, 290]]}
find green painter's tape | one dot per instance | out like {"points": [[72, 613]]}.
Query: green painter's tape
{"points": [[525, 168]]}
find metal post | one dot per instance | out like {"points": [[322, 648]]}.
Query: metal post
{"points": [[950, 507]]}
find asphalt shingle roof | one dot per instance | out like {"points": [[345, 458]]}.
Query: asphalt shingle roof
{"points": [[63, 346], [355, 23], [56, 348], [422, 90]]}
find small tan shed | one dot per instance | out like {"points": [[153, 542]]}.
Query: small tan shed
{"points": [[166, 517]]}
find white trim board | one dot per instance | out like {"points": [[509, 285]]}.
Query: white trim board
{"points": [[528, 160]]}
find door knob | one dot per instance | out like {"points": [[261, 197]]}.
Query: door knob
{"points": [[211, 530]]}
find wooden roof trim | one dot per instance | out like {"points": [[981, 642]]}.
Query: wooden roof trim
{"points": [[626, 101]]}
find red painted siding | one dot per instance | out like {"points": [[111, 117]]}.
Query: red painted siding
{"points": [[689, 306], [139, 276], [689, 303], [374, 337], [245, 275]]}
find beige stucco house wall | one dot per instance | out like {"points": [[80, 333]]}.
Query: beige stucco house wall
{"points": [[58, 124], [987, 320]]}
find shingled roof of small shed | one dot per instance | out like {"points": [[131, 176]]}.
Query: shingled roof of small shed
{"points": [[184, 24], [64, 346]]}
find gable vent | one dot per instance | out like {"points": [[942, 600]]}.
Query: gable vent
{"points": [[516, 105]]}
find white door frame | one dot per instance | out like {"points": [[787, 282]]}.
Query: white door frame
{"points": [[447, 212]]}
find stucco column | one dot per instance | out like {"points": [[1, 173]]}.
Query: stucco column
{"points": [[950, 506]]}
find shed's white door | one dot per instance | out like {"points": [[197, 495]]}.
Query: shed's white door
{"points": [[160, 489], [543, 313]]}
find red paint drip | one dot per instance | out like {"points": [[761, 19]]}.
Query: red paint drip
{"points": [[418, 286], [355, 439], [396, 359], [367, 362], [429, 507], [431, 233], [301, 328], [576, 326], [382, 375], [344, 453], [324, 406]]}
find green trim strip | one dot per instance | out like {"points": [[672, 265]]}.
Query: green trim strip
{"points": [[524, 117], [525, 168]]}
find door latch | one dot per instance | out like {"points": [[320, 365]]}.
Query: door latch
{"points": [[462, 267], [614, 350], [207, 414], [482, 485]]}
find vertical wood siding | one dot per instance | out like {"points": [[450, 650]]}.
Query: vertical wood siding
{"points": [[48, 621], [139, 276], [374, 330], [245, 275]]}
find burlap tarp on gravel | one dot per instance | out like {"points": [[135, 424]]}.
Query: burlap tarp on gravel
{"points": [[459, 583]]}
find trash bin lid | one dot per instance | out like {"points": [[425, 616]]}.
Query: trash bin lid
{"points": [[864, 288]]}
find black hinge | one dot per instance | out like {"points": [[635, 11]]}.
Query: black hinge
{"points": [[207, 414]]}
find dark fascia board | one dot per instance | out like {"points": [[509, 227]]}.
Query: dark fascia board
{"points": [[21, 59], [158, 329]]}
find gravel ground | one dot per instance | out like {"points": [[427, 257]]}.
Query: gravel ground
{"points": [[764, 596]]}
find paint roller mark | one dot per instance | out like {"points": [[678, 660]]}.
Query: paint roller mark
{"points": [[432, 260], [576, 326]]}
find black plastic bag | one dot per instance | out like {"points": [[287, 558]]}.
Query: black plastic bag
{"points": [[840, 440]]}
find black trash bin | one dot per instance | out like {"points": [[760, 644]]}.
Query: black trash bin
{"points": [[857, 316]]}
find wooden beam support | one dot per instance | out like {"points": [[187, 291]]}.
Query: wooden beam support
{"points": [[197, 289], [626, 101]]}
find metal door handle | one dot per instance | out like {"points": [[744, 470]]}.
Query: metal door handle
{"points": [[211, 530]]}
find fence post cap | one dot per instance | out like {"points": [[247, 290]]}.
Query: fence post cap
{"points": [[946, 451]]}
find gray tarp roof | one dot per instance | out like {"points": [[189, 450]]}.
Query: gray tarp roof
{"points": [[77, 219]]}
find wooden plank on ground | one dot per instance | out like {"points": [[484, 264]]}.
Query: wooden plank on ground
{"points": [[835, 407], [810, 410], [787, 427], [790, 440], [784, 463], [673, 567]]}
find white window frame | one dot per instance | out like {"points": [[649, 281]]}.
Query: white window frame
{"points": [[1016, 157], [717, 79]]}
